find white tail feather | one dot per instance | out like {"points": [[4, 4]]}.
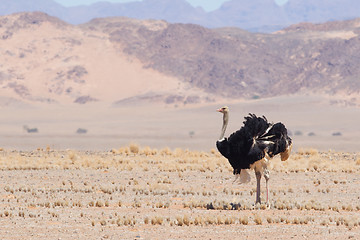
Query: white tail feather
{"points": [[243, 177]]}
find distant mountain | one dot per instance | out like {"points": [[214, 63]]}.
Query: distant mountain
{"points": [[122, 60], [169, 10], [266, 16], [254, 15], [48, 6]]}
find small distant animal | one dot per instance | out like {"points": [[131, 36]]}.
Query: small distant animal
{"points": [[81, 131], [30, 130], [252, 146]]}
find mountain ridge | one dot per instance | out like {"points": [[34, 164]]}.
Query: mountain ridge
{"points": [[255, 16], [47, 60]]}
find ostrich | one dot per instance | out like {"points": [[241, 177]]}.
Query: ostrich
{"points": [[252, 146]]}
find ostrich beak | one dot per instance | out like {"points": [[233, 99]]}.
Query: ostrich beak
{"points": [[219, 110]]}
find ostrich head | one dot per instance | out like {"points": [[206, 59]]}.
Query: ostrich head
{"points": [[223, 110]]}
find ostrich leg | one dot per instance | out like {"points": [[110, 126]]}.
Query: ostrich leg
{"points": [[258, 178], [267, 177]]}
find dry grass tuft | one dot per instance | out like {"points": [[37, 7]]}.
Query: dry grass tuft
{"points": [[198, 220], [357, 162], [134, 148], [166, 152], [244, 220], [186, 220], [157, 220], [147, 151], [257, 219], [180, 221], [308, 151]]}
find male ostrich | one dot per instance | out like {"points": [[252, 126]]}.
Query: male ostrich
{"points": [[252, 146]]}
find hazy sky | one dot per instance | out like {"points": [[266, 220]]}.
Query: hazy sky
{"points": [[208, 5]]}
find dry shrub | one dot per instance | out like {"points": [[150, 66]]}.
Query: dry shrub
{"points": [[166, 152], [186, 220], [157, 220], [134, 148], [72, 156], [244, 220], [220, 220], [257, 220], [147, 151], [296, 221], [229, 221], [123, 150], [178, 152], [198, 220], [349, 208], [357, 162], [210, 220], [180, 221], [127, 221], [155, 151], [99, 204]]}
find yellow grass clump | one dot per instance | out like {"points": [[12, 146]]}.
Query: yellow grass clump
{"points": [[308, 151], [132, 157], [357, 162], [134, 148]]}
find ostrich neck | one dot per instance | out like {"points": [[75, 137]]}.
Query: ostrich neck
{"points": [[225, 123]]}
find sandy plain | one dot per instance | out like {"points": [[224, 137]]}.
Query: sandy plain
{"points": [[312, 121], [59, 185], [143, 193]]}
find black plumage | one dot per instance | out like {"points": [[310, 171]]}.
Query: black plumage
{"points": [[252, 141], [257, 140]]}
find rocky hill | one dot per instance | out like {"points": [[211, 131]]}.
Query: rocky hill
{"points": [[235, 63], [118, 60]]}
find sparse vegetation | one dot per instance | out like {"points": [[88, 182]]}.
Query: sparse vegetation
{"points": [[113, 189]]}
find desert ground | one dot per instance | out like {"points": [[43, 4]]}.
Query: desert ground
{"points": [[152, 172], [144, 193], [312, 121]]}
